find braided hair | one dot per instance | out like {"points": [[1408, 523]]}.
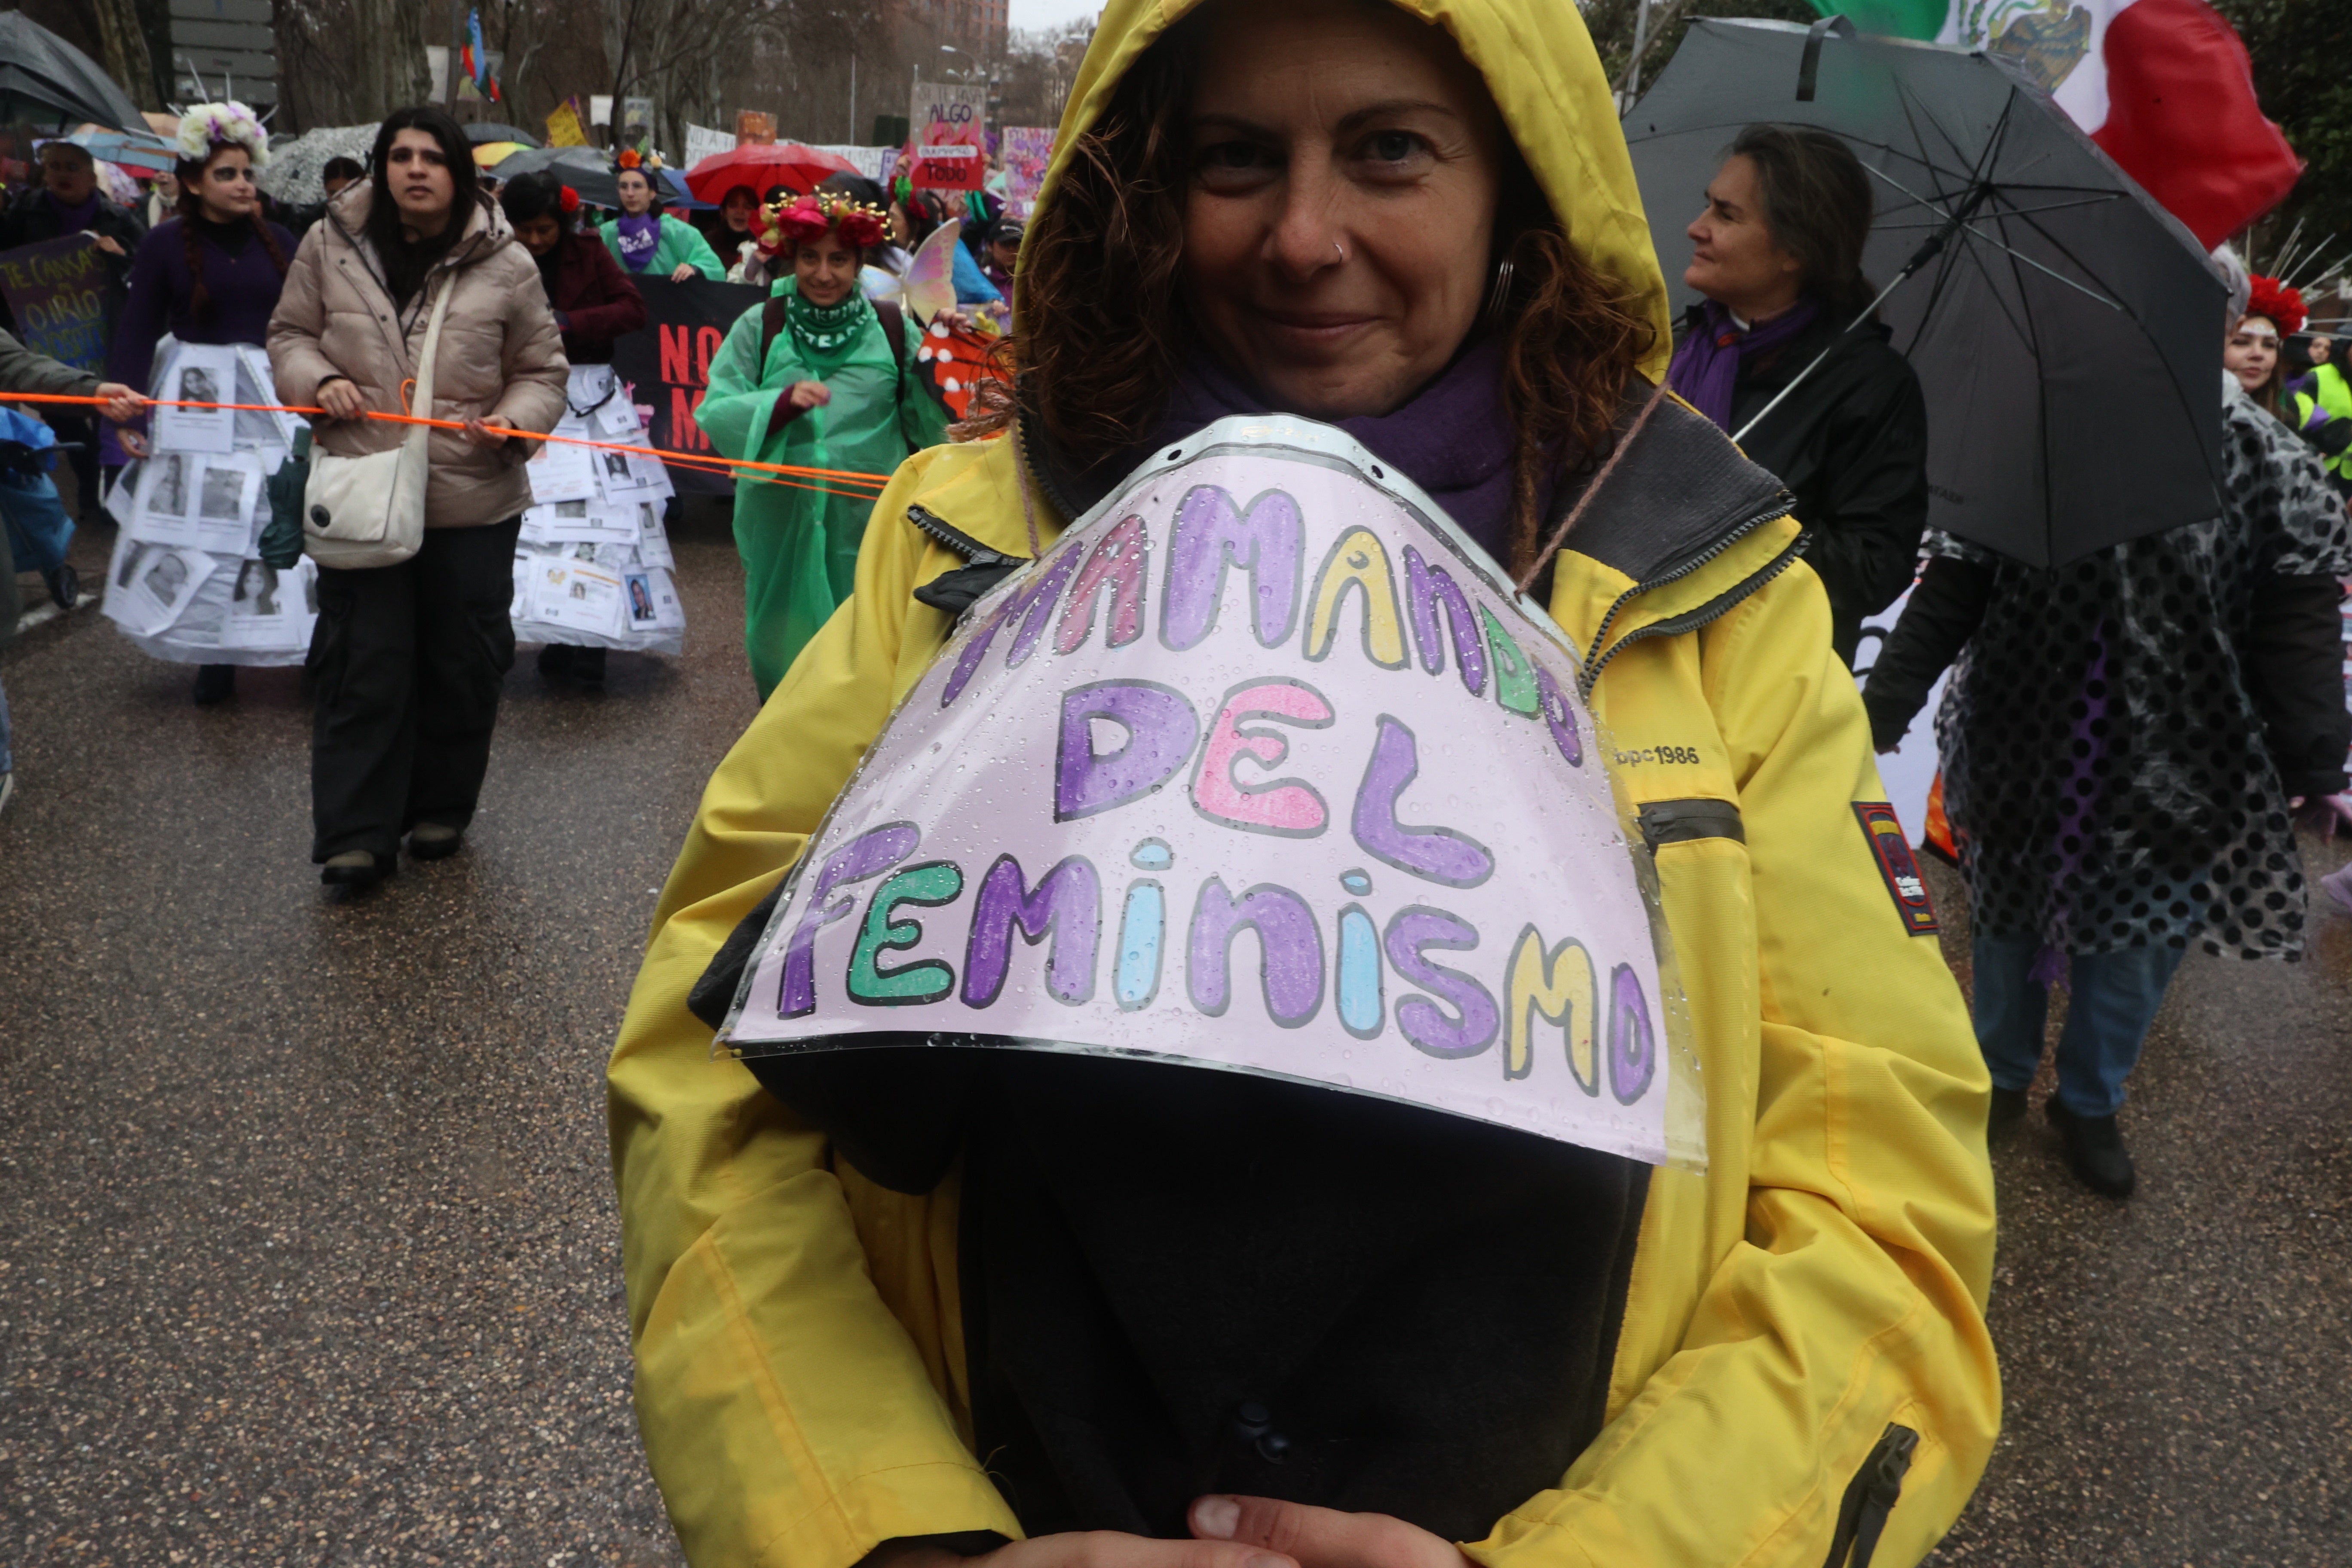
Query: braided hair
{"points": [[190, 173]]}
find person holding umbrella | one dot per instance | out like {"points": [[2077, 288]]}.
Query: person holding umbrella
{"points": [[1778, 258], [2123, 745], [819, 376], [649, 242], [1063, 1311]]}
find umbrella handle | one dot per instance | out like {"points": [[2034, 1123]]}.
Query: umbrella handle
{"points": [[1809, 66]]}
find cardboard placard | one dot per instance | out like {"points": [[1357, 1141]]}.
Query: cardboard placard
{"points": [[1267, 769]]}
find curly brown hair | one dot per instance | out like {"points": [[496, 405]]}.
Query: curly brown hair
{"points": [[1104, 327]]}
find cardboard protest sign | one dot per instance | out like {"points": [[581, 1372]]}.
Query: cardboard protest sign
{"points": [[64, 296], [667, 364], [1262, 767], [948, 132]]}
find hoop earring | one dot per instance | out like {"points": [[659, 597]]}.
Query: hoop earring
{"points": [[1498, 298]]}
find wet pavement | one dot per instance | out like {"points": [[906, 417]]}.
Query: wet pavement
{"points": [[307, 1243]]}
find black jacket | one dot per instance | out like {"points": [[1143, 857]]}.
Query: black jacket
{"points": [[2292, 656], [1851, 444]]}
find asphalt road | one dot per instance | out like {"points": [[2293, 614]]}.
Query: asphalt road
{"points": [[307, 1243]]}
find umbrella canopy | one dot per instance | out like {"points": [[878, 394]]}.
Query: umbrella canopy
{"points": [[481, 131], [2066, 329], [490, 154], [44, 81], [777, 164], [144, 152], [587, 169]]}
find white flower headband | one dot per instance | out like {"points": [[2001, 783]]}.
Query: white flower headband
{"points": [[210, 125]]}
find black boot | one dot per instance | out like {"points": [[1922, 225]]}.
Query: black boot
{"points": [[555, 660], [356, 869], [2094, 1149], [588, 665], [65, 587], [2007, 1110], [215, 683]]}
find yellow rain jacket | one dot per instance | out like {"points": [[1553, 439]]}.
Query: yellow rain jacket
{"points": [[1802, 1339]]}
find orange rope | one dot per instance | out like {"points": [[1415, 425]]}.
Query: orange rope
{"points": [[849, 480]]}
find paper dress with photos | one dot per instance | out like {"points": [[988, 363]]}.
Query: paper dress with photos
{"points": [[200, 495], [592, 563]]}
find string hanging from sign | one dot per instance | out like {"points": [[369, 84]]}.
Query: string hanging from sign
{"points": [[835, 481]]}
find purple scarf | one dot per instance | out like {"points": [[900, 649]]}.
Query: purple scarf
{"points": [[640, 237], [74, 219], [1453, 438], [1705, 369]]}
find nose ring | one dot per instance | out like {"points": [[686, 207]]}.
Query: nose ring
{"points": [[1342, 251]]}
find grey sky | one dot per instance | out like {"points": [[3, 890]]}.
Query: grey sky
{"points": [[1049, 13]]}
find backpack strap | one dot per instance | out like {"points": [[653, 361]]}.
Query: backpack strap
{"points": [[894, 327], [772, 321]]}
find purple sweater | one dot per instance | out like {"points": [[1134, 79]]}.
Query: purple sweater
{"points": [[243, 280]]}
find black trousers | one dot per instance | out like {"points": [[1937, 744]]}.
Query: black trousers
{"points": [[408, 662]]}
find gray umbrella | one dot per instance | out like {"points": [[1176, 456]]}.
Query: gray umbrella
{"points": [[44, 81], [2066, 329]]}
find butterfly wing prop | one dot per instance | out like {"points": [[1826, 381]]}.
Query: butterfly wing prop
{"points": [[955, 360], [930, 277]]}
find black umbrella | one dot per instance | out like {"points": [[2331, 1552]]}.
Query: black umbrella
{"points": [[2066, 329], [588, 171], [481, 131], [44, 81]]}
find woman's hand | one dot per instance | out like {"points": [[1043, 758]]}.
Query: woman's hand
{"points": [[122, 405], [808, 395], [132, 442], [107, 243], [341, 399], [1086, 1548], [490, 432], [684, 270], [1320, 1537]]}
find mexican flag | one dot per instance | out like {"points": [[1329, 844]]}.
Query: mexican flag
{"points": [[2163, 86]]}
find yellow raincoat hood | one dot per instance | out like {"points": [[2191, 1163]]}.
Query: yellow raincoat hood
{"points": [[1542, 71]]}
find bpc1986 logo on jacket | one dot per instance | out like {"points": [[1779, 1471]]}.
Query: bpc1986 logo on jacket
{"points": [[1897, 864]]}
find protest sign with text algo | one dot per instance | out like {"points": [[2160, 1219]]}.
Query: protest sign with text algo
{"points": [[1263, 767], [948, 135]]}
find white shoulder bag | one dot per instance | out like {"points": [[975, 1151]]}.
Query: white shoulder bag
{"points": [[368, 511]]}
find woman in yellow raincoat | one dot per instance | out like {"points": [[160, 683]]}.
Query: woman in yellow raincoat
{"points": [[1099, 1314]]}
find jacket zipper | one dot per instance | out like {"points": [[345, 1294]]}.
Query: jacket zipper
{"points": [[933, 526], [1870, 1497], [1715, 609], [1773, 513]]}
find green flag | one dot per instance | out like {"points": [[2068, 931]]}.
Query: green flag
{"points": [[1895, 19]]}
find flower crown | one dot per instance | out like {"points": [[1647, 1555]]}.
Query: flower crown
{"points": [[212, 125], [630, 158], [2281, 304], [567, 199], [784, 224]]}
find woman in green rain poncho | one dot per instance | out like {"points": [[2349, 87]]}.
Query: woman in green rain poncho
{"points": [[812, 378]]}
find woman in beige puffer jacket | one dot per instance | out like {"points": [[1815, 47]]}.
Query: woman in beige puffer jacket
{"points": [[409, 659]]}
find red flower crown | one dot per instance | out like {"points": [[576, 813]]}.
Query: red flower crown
{"points": [[2281, 304], [569, 200], [787, 225]]}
